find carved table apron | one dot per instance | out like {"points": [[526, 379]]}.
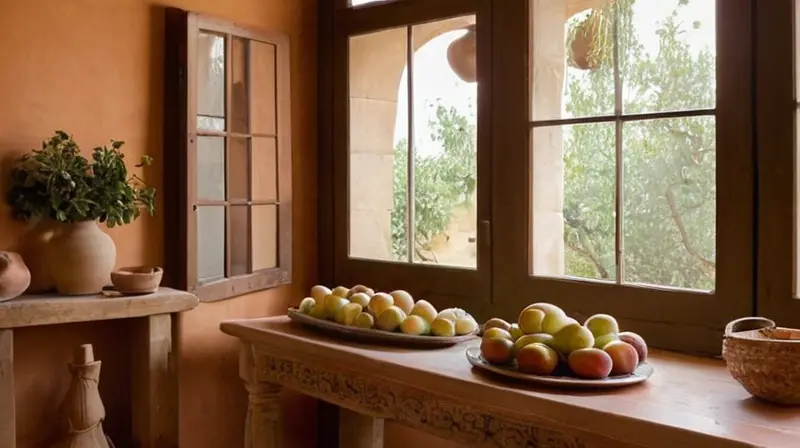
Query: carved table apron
{"points": [[437, 391]]}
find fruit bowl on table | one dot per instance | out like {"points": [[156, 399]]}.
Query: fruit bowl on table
{"points": [[361, 314], [561, 377], [546, 346]]}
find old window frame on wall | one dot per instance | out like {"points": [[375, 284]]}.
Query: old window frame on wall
{"points": [[447, 286], [670, 318], [181, 133]]}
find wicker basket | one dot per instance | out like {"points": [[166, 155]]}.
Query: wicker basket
{"points": [[765, 359]]}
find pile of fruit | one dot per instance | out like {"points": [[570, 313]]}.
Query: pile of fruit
{"points": [[545, 341], [362, 307]]}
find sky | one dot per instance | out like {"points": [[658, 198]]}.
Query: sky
{"points": [[434, 78]]}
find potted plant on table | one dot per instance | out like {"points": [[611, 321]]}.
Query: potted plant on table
{"points": [[58, 184]]}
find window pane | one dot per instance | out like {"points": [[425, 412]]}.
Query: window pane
{"points": [[211, 168], [238, 170], [667, 54], [262, 88], [378, 143], [240, 102], [211, 76], [365, 2], [445, 100], [571, 53], [240, 235], [264, 155], [574, 181], [210, 123], [210, 243], [264, 247], [669, 200]]}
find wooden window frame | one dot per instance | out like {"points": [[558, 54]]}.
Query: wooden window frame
{"points": [[446, 286], [673, 319], [180, 136], [777, 68]]}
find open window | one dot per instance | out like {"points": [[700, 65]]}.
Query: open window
{"points": [[228, 148]]}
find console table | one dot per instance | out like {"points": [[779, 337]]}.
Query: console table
{"points": [[689, 401], [155, 395]]}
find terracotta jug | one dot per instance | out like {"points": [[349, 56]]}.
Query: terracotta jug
{"points": [[462, 56], [33, 250], [14, 276], [81, 257]]}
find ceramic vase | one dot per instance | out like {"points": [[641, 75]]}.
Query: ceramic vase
{"points": [[14, 276], [33, 250], [81, 257]]}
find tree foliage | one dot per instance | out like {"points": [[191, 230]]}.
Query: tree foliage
{"points": [[668, 165]]}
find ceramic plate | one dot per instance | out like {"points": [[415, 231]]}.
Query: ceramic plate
{"points": [[642, 373], [371, 335]]}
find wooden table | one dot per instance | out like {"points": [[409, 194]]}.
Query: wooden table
{"points": [[155, 382], [689, 402]]}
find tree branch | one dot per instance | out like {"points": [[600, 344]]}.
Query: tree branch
{"points": [[586, 249], [677, 218]]}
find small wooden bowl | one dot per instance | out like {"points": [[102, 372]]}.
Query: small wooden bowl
{"points": [[764, 359], [137, 279]]}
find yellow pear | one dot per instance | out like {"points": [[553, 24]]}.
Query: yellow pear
{"points": [[573, 336], [415, 325], [425, 310], [340, 291], [347, 314], [403, 300], [333, 303], [530, 320], [380, 302], [390, 319], [443, 327], [360, 298], [319, 292], [364, 320], [306, 305]]}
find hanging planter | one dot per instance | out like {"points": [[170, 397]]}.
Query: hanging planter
{"points": [[590, 44], [462, 56]]}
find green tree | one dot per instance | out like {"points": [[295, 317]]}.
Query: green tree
{"points": [[669, 165], [442, 181]]}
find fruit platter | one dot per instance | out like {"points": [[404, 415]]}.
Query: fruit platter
{"points": [[362, 314], [547, 347]]}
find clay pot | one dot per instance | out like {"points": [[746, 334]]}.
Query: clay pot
{"points": [[462, 55], [81, 257], [33, 250], [14, 276]]}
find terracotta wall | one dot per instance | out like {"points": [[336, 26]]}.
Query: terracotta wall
{"points": [[93, 68]]}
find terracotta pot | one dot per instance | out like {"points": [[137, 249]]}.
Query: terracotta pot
{"points": [[14, 276], [33, 250], [462, 55], [81, 257]]}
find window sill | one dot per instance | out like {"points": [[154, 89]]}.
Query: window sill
{"points": [[230, 288]]}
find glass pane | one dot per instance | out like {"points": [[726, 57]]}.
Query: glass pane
{"points": [[210, 243], [572, 68], [240, 104], [668, 55], [210, 123], [669, 198], [445, 100], [210, 75], [378, 145], [365, 2], [263, 87], [264, 154], [265, 236], [211, 168], [574, 182], [238, 170], [240, 235]]}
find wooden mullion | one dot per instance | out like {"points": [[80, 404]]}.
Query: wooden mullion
{"points": [[206, 133], [410, 205], [619, 190], [228, 115], [248, 85]]}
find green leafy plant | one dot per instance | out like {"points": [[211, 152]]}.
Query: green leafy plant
{"points": [[58, 183]]}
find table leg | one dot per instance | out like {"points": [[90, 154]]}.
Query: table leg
{"points": [[359, 430], [155, 383], [7, 412], [263, 428]]}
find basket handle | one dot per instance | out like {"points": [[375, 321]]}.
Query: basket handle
{"points": [[748, 323]]}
